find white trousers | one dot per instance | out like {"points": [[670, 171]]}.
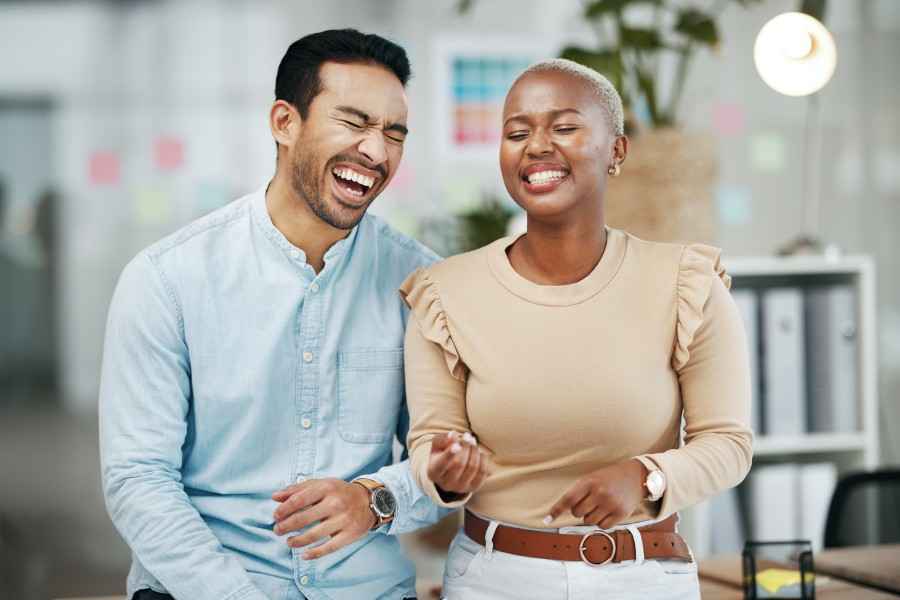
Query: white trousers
{"points": [[476, 572]]}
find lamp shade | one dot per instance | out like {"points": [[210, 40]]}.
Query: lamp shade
{"points": [[795, 54]]}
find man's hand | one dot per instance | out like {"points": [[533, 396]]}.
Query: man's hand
{"points": [[341, 510], [456, 464], [605, 497]]}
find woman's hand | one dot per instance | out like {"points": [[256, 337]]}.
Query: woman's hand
{"points": [[456, 465], [605, 497]]}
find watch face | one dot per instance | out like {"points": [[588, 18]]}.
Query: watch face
{"points": [[656, 483], [384, 502]]}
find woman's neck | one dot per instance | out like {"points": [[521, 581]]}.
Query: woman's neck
{"points": [[554, 254]]}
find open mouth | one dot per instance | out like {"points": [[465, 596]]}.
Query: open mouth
{"points": [[353, 185], [544, 179]]}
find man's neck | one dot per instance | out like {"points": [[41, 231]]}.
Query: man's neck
{"points": [[293, 217]]}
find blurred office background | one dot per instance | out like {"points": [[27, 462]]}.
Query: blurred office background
{"points": [[122, 120]]}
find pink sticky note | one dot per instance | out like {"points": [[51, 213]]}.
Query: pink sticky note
{"points": [[103, 168], [729, 119], [168, 153]]}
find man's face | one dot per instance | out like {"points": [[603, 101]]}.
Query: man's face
{"points": [[351, 142]]}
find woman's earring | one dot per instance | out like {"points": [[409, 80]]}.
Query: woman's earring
{"points": [[614, 170]]}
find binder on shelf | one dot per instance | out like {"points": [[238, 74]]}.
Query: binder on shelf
{"points": [[784, 380], [727, 535], [747, 302], [817, 482], [832, 358], [773, 502]]}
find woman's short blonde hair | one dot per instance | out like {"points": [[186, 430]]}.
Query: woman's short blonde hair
{"points": [[607, 94]]}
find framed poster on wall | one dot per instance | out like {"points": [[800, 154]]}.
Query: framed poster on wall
{"points": [[472, 76]]}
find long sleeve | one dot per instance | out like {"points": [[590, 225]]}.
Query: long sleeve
{"points": [[415, 509], [710, 358], [435, 380], [144, 403]]}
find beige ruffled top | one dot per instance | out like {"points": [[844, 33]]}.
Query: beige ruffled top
{"points": [[558, 381]]}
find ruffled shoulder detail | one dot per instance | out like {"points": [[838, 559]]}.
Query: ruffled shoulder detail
{"points": [[420, 293], [699, 266]]}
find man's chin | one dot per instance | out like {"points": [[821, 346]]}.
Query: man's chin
{"points": [[342, 216]]}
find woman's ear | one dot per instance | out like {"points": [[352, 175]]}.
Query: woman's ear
{"points": [[284, 122], [620, 149]]}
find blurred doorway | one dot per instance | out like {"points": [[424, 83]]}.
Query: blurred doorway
{"points": [[28, 252]]}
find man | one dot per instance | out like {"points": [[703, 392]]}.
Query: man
{"points": [[259, 350]]}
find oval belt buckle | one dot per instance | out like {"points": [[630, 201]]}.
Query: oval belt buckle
{"points": [[582, 548]]}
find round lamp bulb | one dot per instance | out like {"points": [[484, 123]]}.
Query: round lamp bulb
{"points": [[797, 45], [795, 54]]}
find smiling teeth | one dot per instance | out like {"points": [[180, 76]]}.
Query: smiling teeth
{"points": [[545, 176], [351, 175]]}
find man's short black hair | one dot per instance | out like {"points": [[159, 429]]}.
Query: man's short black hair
{"points": [[298, 79]]}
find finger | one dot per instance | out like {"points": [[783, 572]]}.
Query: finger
{"points": [[300, 519], [299, 500], [587, 505], [569, 499], [473, 466], [285, 493], [596, 516], [438, 463], [443, 441], [483, 472], [315, 534], [453, 473], [611, 520], [335, 543], [468, 438]]}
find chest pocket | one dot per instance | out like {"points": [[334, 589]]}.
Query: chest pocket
{"points": [[370, 391]]}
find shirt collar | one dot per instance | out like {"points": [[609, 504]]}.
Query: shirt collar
{"points": [[263, 220]]}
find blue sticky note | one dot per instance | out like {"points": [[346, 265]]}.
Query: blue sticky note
{"points": [[734, 204]]}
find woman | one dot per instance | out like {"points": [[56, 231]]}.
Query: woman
{"points": [[571, 354]]}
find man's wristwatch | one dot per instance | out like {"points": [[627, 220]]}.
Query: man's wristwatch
{"points": [[381, 501], [655, 484]]}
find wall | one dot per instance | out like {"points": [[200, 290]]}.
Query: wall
{"points": [[121, 75]]}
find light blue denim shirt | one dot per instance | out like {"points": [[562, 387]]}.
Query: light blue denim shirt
{"points": [[230, 370]]}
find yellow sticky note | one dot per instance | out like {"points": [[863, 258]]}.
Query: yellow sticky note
{"points": [[773, 580]]}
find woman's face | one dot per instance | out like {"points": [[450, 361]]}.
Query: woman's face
{"points": [[557, 145]]}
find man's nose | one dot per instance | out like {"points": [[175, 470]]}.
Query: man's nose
{"points": [[373, 147]]}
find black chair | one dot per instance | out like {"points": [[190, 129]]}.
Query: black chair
{"points": [[865, 510]]}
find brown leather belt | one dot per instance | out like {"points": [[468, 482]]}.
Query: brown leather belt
{"points": [[594, 548]]}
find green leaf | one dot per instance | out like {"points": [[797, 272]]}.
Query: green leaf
{"points": [[698, 26], [642, 39], [606, 62], [463, 6], [598, 8]]}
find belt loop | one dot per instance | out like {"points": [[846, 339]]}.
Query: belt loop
{"points": [[638, 544], [489, 538]]}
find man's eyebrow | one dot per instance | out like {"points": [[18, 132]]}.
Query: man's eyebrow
{"points": [[552, 113], [355, 112], [399, 127]]}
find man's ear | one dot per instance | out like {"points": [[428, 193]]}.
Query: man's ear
{"points": [[284, 122]]}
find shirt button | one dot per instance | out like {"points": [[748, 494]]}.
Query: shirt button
{"points": [[307, 356], [306, 423], [304, 580], [314, 287]]}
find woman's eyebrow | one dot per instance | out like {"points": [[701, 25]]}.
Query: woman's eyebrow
{"points": [[551, 113]]}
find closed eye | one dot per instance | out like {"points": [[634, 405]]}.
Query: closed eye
{"points": [[566, 129], [351, 124], [517, 135]]}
